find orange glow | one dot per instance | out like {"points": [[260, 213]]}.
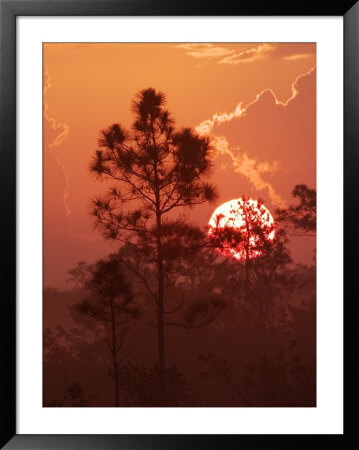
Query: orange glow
{"points": [[257, 101], [241, 227]]}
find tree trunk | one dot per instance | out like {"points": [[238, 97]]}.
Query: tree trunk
{"points": [[160, 300], [115, 372], [160, 305], [160, 313], [247, 280], [114, 355], [247, 250]]}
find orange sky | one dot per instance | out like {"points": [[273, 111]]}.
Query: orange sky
{"points": [[258, 101]]}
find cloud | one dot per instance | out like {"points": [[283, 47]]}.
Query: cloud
{"points": [[251, 54], [212, 51], [250, 168], [264, 128], [207, 125], [298, 56], [207, 51], [62, 130], [295, 50]]}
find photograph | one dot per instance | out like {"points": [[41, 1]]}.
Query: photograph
{"points": [[179, 224]]}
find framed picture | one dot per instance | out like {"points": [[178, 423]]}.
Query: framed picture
{"points": [[168, 283]]}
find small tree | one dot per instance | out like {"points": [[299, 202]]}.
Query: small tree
{"points": [[155, 171], [246, 234], [301, 217], [257, 279], [109, 307]]}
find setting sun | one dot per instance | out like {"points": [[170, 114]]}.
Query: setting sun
{"points": [[241, 226]]}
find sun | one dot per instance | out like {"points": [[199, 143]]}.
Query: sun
{"points": [[241, 228]]}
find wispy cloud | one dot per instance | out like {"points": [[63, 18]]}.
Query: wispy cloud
{"points": [[62, 130], [206, 127], [240, 110], [297, 56], [224, 55], [253, 52], [248, 55], [249, 167], [205, 51]]}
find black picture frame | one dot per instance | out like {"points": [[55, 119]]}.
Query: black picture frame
{"points": [[9, 10]]}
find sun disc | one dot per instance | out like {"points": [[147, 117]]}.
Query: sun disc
{"points": [[241, 227]]}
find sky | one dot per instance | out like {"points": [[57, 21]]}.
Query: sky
{"points": [[256, 100]]}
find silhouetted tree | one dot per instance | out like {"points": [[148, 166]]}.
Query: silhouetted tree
{"points": [[156, 171], [109, 305], [248, 236], [190, 302], [261, 295], [259, 281], [301, 217]]}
